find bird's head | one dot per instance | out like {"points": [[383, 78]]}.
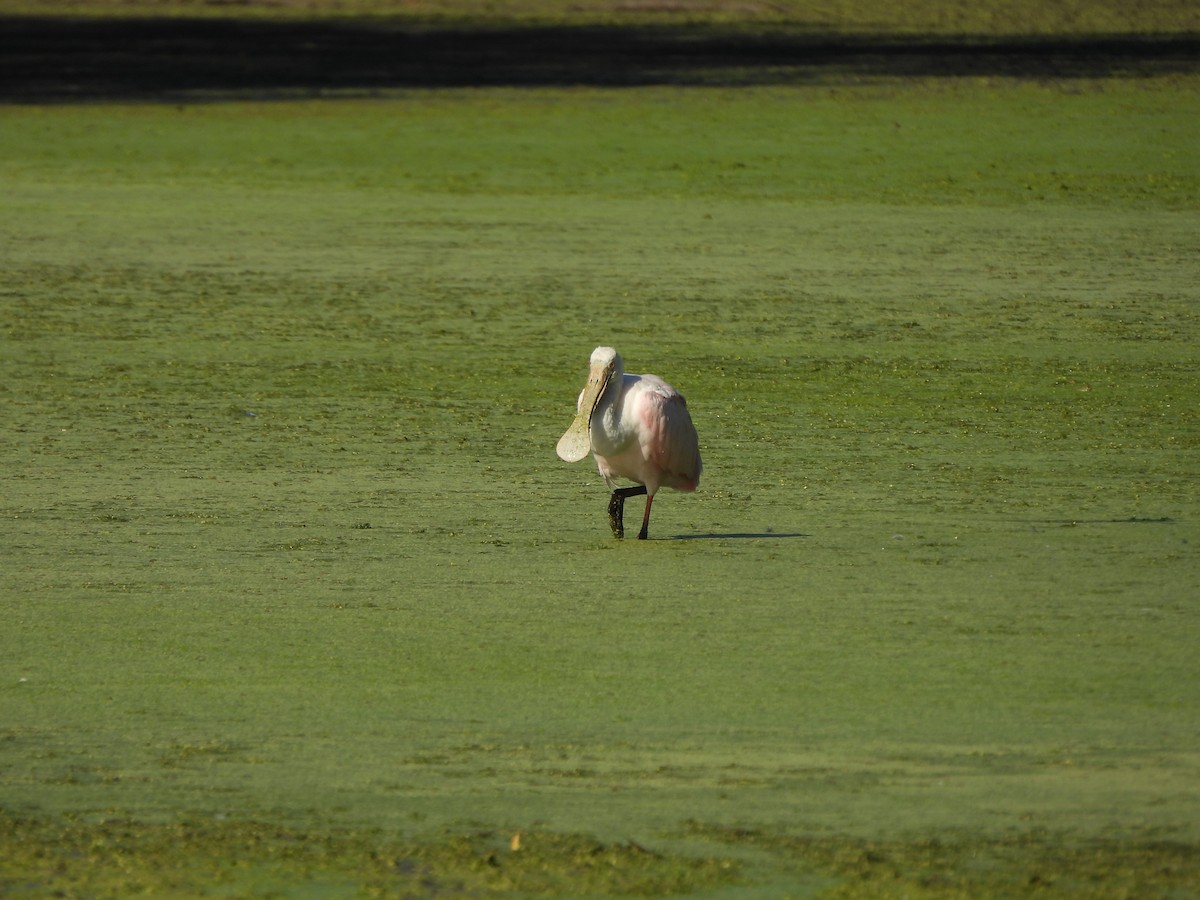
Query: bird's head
{"points": [[577, 441], [606, 357]]}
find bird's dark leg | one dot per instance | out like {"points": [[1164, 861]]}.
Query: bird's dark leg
{"points": [[645, 532], [616, 509]]}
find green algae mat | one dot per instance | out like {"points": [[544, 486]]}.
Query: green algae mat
{"points": [[298, 600]]}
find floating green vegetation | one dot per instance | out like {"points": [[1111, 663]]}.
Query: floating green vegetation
{"points": [[124, 858], [937, 587], [963, 866], [206, 858], [920, 16]]}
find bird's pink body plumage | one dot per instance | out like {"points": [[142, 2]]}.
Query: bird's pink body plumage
{"points": [[644, 433]]}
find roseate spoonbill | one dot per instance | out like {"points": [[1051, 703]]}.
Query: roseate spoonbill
{"points": [[637, 427]]}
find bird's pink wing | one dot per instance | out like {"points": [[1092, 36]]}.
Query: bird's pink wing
{"points": [[671, 445]]}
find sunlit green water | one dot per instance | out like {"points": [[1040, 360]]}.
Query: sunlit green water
{"points": [[283, 536]]}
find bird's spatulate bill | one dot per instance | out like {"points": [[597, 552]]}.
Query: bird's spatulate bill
{"points": [[576, 443]]}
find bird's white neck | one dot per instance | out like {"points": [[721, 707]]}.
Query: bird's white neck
{"points": [[612, 429]]}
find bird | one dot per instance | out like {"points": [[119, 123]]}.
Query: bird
{"points": [[638, 428]]}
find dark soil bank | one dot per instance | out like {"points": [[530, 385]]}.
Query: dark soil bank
{"points": [[68, 59]]}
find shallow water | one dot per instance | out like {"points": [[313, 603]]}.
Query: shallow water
{"points": [[284, 536]]}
